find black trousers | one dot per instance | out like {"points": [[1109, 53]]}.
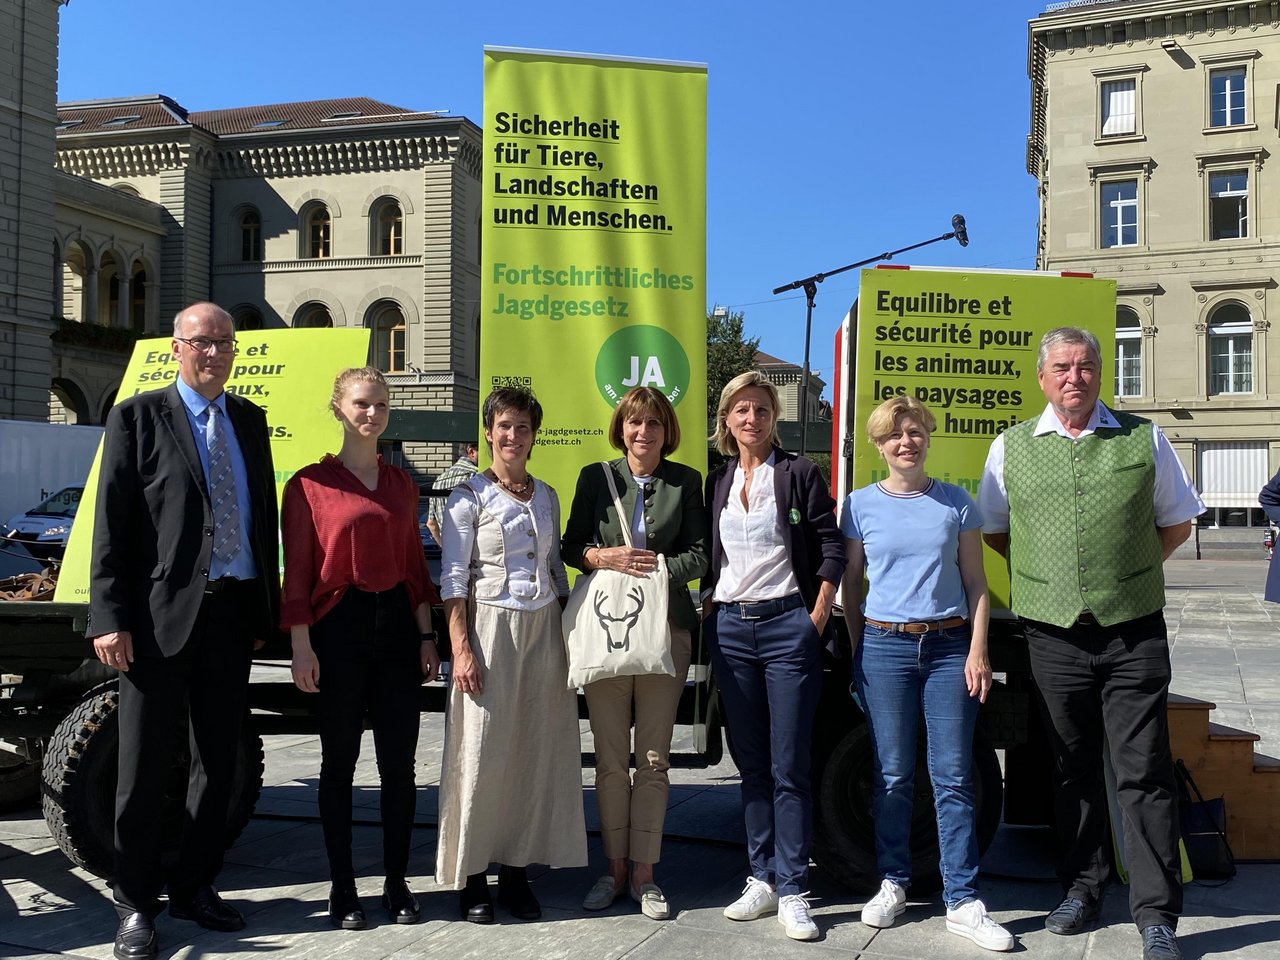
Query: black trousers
{"points": [[1112, 680], [207, 682], [368, 650]]}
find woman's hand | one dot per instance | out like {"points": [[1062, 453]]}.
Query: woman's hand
{"points": [[429, 656], [467, 676], [977, 674], [637, 563], [306, 668]]}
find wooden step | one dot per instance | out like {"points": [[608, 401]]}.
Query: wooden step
{"points": [[1264, 764], [1220, 731], [1178, 702]]}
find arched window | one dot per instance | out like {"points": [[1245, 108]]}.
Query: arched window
{"points": [[138, 300], [1128, 353], [1230, 349], [313, 315], [388, 226], [316, 227], [389, 338], [249, 319], [250, 237]]}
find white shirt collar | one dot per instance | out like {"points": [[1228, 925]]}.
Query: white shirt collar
{"points": [[1049, 422]]}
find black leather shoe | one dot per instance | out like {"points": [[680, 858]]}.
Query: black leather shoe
{"points": [[1160, 943], [515, 894], [136, 938], [1072, 916], [207, 909], [473, 902], [345, 911], [400, 903]]}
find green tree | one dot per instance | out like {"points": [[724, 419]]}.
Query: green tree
{"points": [[728, 354]]}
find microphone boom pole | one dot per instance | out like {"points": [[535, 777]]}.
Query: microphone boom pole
{"points": [[810, 287]]}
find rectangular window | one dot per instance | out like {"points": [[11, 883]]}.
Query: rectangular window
{"points": [[1119, 113], [1119, 200], [1226, 97], [1229, 205], [1230, 363], [1128, 367]]}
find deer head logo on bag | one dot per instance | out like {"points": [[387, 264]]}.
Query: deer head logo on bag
{"points": [[610, 623]]}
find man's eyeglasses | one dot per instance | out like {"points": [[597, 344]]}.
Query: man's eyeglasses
{"points": [[204, 344]]}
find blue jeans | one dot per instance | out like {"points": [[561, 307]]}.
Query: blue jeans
{"points": [[770, 676], [898, 675]]}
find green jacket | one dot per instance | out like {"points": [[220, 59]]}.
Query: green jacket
{"points": [[675, 526]]}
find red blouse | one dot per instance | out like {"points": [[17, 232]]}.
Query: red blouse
{"points": [[338, 533]]}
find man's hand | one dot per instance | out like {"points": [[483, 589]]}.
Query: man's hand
{"points": [[115, 649]]}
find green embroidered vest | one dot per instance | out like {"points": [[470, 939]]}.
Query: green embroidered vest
{"points": [[1082, 529]]}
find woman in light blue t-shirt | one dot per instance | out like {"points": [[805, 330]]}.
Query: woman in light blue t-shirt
{"points": [[923, 630]]}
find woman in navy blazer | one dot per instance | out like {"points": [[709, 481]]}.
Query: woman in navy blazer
{"points": [[1270, 500], [776, 558]]}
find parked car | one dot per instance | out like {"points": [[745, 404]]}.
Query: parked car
{"points": [[44, 529]]}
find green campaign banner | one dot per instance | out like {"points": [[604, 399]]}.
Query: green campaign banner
{"points": [[594, 245], [289, 373], [965, 343]]}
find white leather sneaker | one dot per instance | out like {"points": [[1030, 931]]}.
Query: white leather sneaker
{"points": [[757, 898], [793, 914], [886, 906], [971, 921]]}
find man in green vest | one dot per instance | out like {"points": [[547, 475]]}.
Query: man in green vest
{"points": [[1087, 503]]}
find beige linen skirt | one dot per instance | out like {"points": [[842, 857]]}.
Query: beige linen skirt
{"points": [[511, 779]]}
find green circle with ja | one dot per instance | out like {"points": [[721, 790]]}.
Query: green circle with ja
{"points": [[642, 356]]}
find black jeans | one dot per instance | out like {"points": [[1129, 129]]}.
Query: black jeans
{"points": [[1114, 680], [367, 647]]}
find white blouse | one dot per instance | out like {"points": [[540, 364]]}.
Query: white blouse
{"points": [[756, 565]]}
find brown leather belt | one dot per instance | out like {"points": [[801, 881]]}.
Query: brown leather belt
{"points": [[920, 626]]}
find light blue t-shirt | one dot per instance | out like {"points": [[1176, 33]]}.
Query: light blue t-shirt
{"points": [[911, 541]]}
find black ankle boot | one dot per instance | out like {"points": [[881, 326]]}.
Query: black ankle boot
{"points": [[473, 901], [515, 894], [344, 907], [401, 905]]}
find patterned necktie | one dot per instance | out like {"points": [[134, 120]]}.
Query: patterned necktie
{"points": [[222, 491]]}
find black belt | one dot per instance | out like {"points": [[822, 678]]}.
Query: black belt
{"points": [[919, 626], [764, 609], [221, 585]]}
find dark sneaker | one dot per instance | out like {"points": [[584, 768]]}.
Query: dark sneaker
{"points": [[1071, 916], [1160, 943]]}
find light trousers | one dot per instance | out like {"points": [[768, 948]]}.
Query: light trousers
{"points": [[633, 810]]}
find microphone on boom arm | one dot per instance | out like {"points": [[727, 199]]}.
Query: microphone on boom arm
{"points": [[961, 234]]}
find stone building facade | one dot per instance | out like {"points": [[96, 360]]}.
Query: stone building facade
{"points": [[1153, 125]]}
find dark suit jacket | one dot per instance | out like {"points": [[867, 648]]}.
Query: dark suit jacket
{"points": [[1270, 500], [676, 527], [153, 527], [813, 539]]}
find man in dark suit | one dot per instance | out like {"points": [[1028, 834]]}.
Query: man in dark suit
{"points": [[183, 587]]}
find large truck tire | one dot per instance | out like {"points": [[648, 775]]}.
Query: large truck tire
{"points": [[80, 784], [844, 840], [19, 782]]}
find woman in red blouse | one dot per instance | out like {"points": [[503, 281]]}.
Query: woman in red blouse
{"points": [[357, 604]]}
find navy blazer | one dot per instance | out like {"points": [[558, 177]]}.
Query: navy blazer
{"points": [[1270, 500], [814, 543], [153, 525]]}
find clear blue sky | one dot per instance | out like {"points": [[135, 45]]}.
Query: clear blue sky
{"points": [[837, 129]]}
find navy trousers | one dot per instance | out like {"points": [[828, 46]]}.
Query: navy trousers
{"points": [[770, 675]]}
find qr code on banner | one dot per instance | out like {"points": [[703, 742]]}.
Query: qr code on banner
{"points": [[511, 381]]}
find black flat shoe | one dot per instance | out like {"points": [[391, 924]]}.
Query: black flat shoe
{"points": [[345, 911], [400, 903], [208, 909], [473, 901], [516, 895], [136, 938], [1072, 916]]}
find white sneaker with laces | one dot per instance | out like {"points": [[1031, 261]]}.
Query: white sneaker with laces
{"points": [[793, 914], [757, 898], [886, 906], [971, 920]]}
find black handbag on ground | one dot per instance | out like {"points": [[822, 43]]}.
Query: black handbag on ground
{"points": [[1204, 831]]}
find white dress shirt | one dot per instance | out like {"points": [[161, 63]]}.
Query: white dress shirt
{"points": [[756, 565]]}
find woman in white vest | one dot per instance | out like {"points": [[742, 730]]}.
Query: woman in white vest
{"points": [[511, 778], [920, 646]]}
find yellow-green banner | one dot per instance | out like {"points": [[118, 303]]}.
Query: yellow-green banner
{"points": [[289, 373], [594, 245], [965, 343]]}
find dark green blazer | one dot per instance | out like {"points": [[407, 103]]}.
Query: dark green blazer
{"points": [[675, 524]]}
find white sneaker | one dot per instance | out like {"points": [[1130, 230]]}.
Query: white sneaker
{"points": [[793, 914], [970, 920], [757, 898], [886, 906]]}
